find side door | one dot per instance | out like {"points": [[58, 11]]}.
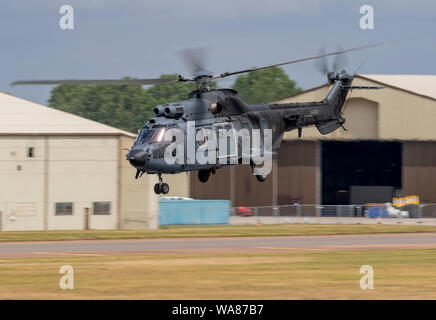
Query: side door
{"points": [[227, 147], [245, 150], [203, 132]]}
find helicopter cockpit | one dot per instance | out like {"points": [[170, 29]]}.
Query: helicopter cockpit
{"points": [[151, 135], [149, 144]]}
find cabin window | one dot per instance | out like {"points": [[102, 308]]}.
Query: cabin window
{"points": [[263, 124], [201, 137], [226, 134], [151, 135], [30, 152]]}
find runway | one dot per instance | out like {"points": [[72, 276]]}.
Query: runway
{"points": [[217, 245]]}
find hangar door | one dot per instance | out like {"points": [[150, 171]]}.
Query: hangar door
{"points": [[359, 172]]}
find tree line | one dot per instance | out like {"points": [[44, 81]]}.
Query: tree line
{"points": [[129, 107]]}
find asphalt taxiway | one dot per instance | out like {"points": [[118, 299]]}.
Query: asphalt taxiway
{"points": [[217, 245]]}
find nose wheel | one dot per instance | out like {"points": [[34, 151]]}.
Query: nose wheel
{"points": [[161, 187]]}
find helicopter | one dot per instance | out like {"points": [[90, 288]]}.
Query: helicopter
{"points": [[208, 112]]}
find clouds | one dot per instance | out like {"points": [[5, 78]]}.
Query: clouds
{"points": [[116, 38], [222, 9], [226, 8]]}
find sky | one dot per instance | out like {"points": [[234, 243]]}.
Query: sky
{"points": [[142, 38]]}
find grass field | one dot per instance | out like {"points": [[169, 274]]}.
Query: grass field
{"points": [[398, 274], [213, 231]]}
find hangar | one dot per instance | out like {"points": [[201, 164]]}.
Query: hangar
{"points": [[60, 171], [388, 150]]}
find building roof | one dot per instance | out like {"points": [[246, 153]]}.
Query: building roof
{"points": [[381, 114], [22, 117], [424, 85]]}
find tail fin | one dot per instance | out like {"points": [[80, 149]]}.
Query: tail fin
{"points": [[335, 100]]}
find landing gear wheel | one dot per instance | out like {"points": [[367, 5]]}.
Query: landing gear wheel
{"points": [[165, 188], [157, 188], [161, 187], [261, 177], [203, 175]]}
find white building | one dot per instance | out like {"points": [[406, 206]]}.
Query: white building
{"points": [[60, 171]]}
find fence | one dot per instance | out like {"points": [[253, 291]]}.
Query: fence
{"points": [[150, 220], [428, 210], [310, 210]]}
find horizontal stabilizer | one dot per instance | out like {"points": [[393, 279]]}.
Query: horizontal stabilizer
{"points": [[363, 87], [328, 127]]}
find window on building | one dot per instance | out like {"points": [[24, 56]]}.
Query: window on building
{"points": [[30, 152], [64, 208], [102, 208]]}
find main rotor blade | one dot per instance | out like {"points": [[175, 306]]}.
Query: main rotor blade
{"points": [[117, 82], [226, 74], [321, 63], [340, 61], [194, 58]]}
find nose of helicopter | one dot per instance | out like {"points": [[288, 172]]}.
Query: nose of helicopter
{"points": [[136, 157]]}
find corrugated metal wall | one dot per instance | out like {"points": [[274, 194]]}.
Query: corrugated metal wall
{"points": [[218, 186], [419, 170], [298, 177], [247, 190], [298, 170], [297, 180]]}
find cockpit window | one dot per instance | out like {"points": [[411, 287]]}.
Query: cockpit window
{"points": [[147, 135]]}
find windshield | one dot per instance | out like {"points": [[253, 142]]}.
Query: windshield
{"points": [[147, 135]]}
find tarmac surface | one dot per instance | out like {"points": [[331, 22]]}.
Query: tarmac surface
{"points": [[37, 249]]}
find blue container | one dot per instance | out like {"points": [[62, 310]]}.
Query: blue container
{"points": [[379, 211], [175, 211]]}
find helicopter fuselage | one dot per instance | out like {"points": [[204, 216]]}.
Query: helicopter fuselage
{"points": [[220, 115], [215, 110]]}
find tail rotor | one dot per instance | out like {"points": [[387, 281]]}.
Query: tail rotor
{"points": [[339, 62]]}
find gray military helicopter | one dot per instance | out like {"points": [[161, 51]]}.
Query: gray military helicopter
{"points": [[221, 109]]}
